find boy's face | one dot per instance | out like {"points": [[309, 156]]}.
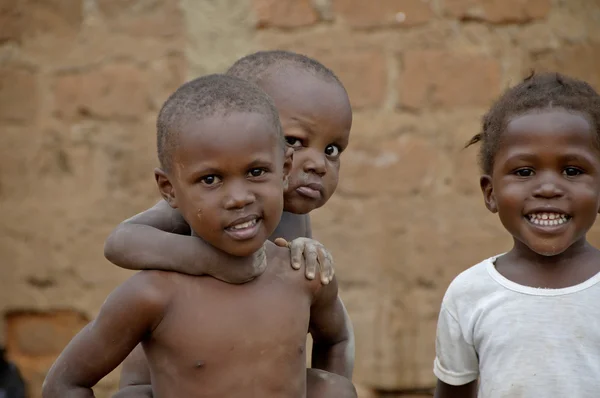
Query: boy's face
{"points": [[227, 180], [316, 117], [545, 184]]}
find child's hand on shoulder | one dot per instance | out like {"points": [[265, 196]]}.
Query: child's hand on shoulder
{"points": [[312, 254]]}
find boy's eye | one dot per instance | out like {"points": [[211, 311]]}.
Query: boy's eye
{"points": [[332, 150], [524, 172], [293, 141], [257, 172], [210, 180], [572, 171]]}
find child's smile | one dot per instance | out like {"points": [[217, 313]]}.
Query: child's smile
{"points": [[546, 180], [244, 228], [228, 180]]}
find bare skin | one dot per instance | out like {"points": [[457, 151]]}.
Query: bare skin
{"points": [[228, 187], [198, 331], [140, 243], [318, 131]]}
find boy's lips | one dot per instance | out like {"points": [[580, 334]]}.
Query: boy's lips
{"points": [[244, 228], [312, 191]]}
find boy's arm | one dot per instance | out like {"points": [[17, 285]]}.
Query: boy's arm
{"points": [[142, 391], [332, 333], [443, 390], [136, 381], [131, 312], [158, 238]]}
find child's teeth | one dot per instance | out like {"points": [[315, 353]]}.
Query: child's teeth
{"points": [[547, 218], [244, 225]]}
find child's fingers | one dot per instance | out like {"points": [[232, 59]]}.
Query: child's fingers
{"points": [[296, 249], [281, 242], [323, 265], [312, 260], [330, 267]]}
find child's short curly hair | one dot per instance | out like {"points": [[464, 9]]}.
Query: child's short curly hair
{"points": [[537, 91]]}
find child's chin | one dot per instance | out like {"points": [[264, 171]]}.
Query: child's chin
{"points": [[299, 206], [548, 250]]}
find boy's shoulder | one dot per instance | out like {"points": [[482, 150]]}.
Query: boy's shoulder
{"points": [[471, 284], [280, 264], [151, 285]]}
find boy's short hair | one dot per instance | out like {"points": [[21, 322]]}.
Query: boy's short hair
{"points": [[206, 96], [256, 66]]}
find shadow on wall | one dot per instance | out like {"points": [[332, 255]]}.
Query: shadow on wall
{"points": [[11, 382], [33, 341]]}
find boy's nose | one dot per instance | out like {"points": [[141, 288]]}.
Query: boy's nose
{"points": [[315, 162], [548, 187], [239, 196]]}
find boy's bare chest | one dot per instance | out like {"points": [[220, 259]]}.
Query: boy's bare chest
{"points": [[221, 325]]}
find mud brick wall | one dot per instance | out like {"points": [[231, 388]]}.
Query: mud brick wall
{"points": [[81, 82]]}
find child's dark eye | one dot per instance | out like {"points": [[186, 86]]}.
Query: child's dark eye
{"points": [[258, 172], [332, 150], [293, 141], [524, 172], [572, 171], [210, 180]]}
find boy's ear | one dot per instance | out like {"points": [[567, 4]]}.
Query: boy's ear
{"points": [[165, 187], [287, 166], [485, 182]]}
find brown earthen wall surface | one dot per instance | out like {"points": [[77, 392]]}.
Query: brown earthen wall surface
{"points": [[80, 85]]}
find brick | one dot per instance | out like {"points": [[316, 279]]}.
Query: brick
{"points": [[284, 13], [579, 60], [363, 73], [21, 19], [41, 334], [116, 90], [436, 78], [370, 170], [144, 18], [167, 74], [18, 93], [498, 11], [364, 14], [11, 16]]}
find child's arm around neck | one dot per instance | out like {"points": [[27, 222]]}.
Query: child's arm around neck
{"points": [[160, 239], [149, 240], [332, 332], [132, 311]]}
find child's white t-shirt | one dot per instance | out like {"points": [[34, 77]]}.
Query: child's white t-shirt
{"points": [[519, 341]]}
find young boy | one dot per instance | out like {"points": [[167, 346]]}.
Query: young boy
{"points": [[223, 165], [316, 115], [526, 323]]}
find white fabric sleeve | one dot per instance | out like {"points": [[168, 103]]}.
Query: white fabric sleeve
{"points": [[456, 361]]}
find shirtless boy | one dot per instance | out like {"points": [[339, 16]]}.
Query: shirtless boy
{"points": [[316, 115], [223, 166]]}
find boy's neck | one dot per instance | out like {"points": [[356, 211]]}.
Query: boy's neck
{"points": [[522, 265], [253, 265]]}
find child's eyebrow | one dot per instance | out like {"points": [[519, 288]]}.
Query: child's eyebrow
{"points": [[310, 127], [260, 162], [202, 171], [578, 157]]}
